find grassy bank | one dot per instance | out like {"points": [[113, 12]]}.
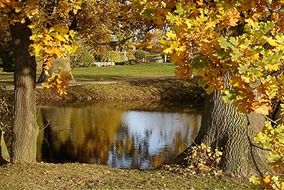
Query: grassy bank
{"points": [[84, 176], [142, 83], [162, 91]]}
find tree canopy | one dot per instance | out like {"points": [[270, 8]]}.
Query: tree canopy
{"points": [[59, 27], [241, 39]]}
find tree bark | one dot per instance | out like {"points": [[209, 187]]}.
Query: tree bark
{"points": [[224, 127], [25, 130]]}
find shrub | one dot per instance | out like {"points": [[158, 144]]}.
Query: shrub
{"points": [[84, 58], [130, 56], [140, 54], [113, 56]]}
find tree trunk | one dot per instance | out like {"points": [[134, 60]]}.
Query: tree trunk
{"points": [[223, 127], [25, 130]]}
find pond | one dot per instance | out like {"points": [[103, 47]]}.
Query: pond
{"points": [[104, 134]]}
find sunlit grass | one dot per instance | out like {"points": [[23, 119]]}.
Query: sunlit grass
{"points": [[124, 72], [111, 73]]}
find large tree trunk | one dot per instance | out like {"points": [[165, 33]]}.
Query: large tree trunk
{"points": [[25, 130], [223, 127]]}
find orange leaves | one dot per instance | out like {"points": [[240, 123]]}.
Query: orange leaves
{"points": [[262, 106], [6, 3], [70, 6], [215, 39], [230, 17]]}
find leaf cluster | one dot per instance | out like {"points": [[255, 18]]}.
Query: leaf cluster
{"points": [[59, 82], [271, 138], [239, 39], [200, 159]]}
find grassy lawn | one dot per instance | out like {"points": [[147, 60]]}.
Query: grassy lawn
{"points": [[124, 72], [6, 78], [85, 176], [111, 73]]}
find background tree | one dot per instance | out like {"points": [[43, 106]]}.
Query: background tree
{"points": [[110, 25], [6, 49]]}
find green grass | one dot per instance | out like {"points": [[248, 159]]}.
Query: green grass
{"points": [[124, 72], [111, 73], [6, 78]]}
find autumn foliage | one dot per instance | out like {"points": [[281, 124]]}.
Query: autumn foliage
{"points": [[236, 47], [60, 27], [241, 39]]}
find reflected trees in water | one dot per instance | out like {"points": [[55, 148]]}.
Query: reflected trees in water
{"points": [[125, 139]]}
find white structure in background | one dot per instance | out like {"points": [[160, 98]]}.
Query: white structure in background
{"points": [[103, 64]]}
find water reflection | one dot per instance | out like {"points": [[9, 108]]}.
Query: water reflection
{"points": [[102, 134]]}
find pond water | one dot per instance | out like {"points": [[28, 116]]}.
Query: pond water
{"points": [[103, 134]]}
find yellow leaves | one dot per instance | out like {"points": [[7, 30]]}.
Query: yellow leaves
{"points": [[18, 9], [271, 41], [72, 34], [70, 6], [23, 21], [61, 28], [37, 48], [255, 180], [174, 47], [199, 2], [171, 35], [267, 182], [201, 158], [54, 42], [272, 67], [255, 56], [244, 54], [6, 3], [59, 82], [262, 107], [164, 4], [271, 138], [233, 17], [60, 37]]}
